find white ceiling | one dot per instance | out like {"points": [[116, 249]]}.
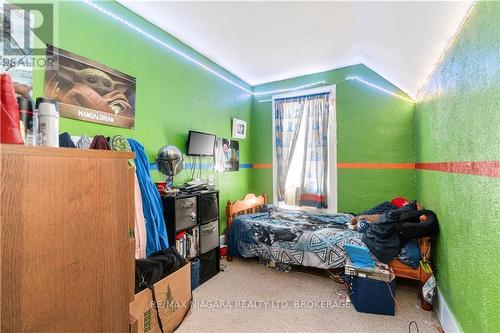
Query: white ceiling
{"points": [[267, 41]]}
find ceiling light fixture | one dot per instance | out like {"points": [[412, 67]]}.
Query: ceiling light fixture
{"points": [[165, 45], [445, 51]]}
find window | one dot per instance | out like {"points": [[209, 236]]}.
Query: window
{"points": [[304, 156]]}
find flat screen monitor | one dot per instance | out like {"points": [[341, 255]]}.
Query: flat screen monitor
{"points": [[200, 144]]}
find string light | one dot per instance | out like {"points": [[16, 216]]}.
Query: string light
{"points": [[207, 68], [165, 45], [445, 51], [348, 78], [309, 85], [356, 78]]}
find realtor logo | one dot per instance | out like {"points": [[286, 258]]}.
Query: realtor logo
{"points": [[21, 26]]}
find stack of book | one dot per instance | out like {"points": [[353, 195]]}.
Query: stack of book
{"points": [[187, 243], [380, 272]]}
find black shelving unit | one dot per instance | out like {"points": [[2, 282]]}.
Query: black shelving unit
{"points": [[186, 211]]}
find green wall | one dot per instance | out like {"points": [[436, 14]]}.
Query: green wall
{"points": [[372, 127], [173, 94], [458, 119]]}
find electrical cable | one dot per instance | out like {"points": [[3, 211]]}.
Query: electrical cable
{"points": [[416, 326], [399, 310]]}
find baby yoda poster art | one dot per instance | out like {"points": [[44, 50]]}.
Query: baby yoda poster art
{"points": [[89, 91]]}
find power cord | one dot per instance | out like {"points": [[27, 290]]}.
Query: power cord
{"points": [[399, 310], [416, 326]]}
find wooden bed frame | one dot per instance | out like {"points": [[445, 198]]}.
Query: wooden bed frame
{"points": [[252, 204], [248, 205]]}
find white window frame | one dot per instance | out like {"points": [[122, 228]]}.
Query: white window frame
{"points": [[332, 191]]}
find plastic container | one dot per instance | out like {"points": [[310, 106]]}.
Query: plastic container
{"points": [[48, 121]]}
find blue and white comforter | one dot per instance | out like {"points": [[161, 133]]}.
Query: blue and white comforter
{"points": [[293, 237]]}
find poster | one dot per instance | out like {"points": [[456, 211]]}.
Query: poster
{"points": [[227, 155], [90, 91]]}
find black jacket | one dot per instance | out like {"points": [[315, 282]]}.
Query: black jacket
{"points": [[386, 237]]}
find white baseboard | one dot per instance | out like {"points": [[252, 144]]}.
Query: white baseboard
{"points": [[445, 316]]}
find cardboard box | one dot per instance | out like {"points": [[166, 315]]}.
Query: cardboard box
{"points": [[173, 296]]}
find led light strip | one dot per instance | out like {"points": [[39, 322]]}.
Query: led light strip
{"points": [[356, 78], [348, 78], [167, 46], [205, 67], [309, 85], [445, 51]]}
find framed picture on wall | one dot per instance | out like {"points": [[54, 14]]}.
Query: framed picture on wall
{"points": [[239, 129], [227, 155], [89, 91]]}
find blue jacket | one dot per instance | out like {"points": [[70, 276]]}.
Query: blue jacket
{"points": [[151, 202]]}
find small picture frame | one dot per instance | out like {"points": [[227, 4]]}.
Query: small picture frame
{"points": [[239, 129]]}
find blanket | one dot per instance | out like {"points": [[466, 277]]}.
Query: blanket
{"points": [[293, 237]]}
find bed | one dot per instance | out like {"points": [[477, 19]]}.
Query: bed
{"points": [[255, 229], [290, 237], [307, 239]]}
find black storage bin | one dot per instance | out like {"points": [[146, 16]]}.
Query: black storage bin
{"points": [[209, 265], [208, 207]]}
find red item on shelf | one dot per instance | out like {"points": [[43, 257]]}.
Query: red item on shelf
{"points": [[180, 235], [10, 130]]}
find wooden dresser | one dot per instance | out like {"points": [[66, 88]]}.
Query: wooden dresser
{"points": [[67, 247]]}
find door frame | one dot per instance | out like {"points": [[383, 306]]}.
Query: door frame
{"points": [[332, 191]]}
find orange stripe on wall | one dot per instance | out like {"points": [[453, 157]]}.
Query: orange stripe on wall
{"points": [[262, 166], [375, 165]]}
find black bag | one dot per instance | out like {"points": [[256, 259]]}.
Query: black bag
{"points": [[170, 260], [153, 269], [147, 273]]}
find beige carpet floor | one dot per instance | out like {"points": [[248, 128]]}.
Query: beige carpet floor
{"points": [[249, 297]]}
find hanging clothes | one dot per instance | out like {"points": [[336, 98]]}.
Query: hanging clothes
{"points": [[151, 202], [99, 142], [140, 223], [120, 143], [84, 142], [65, 140]]}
